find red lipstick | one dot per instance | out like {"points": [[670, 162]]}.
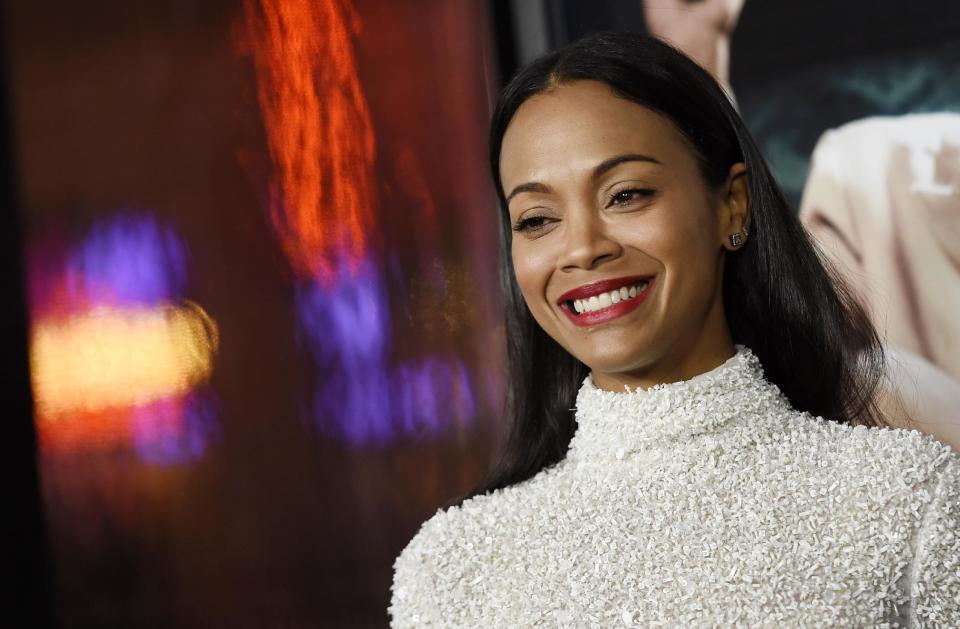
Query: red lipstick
{"points": [[601, 286], [613, 311]]}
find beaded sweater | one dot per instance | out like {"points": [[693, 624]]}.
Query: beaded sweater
{"points": [[709, 502]]}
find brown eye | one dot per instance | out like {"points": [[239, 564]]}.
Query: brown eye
{"points": [[625, 197], [531, 223]]}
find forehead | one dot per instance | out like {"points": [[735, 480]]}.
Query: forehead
{"points": [[573, 127]]}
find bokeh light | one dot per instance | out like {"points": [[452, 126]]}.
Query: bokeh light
{"points": [[359, 396], [322, 199], [318, 129], [116, 353], [111, 357]]}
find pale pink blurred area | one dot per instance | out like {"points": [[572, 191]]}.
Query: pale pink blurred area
{"points": [[917, 395], [883, 202], [703, 30]]}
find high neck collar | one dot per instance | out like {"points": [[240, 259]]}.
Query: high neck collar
{"points": [[612, 425]]}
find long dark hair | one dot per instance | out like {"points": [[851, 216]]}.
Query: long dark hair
{"points": [[780, 297]]}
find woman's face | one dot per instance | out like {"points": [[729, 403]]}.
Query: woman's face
{"points": [[618, 240]]}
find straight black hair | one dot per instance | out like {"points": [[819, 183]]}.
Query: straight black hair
{"points": [[781, 298]]}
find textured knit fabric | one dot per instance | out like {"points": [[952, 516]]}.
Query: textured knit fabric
{"points": [[709, 502]]}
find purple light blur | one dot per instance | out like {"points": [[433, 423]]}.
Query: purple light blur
{"points": [[174, 431], [128, 259], [359, 398]]}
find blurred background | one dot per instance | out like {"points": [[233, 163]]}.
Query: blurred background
{"points": [[254, 333]]}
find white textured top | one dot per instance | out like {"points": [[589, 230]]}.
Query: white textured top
{"points": [[709, 502]]}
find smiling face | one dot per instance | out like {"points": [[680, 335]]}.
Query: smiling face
{"points": [[618, 241]]}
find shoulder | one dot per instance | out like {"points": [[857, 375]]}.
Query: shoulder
{"points": [[415, 600], [911, 455], [462, 528], [905, 485], [888, 470], [456, 546], [935, 587], [889, 497]]}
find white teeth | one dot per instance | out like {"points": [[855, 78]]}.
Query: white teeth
{"points": [[605, 300]]}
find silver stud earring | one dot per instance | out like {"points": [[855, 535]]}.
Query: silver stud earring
{"points": [[736, 239]]}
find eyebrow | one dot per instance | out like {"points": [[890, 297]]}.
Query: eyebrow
{"points": [[600, 169]]}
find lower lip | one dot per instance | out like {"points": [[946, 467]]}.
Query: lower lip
{"points": [[612, 312]]}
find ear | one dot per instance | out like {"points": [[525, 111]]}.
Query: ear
{"points": [[734, 206]]}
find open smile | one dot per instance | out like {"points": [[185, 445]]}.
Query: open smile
{"points": [[605, 300]]}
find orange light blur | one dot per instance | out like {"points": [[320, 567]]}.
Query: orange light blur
{"points": [[85, 431], [114, 358], [318, 129]]}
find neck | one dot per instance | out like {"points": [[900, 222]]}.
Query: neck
{"points": [[679, 363], [664, 417]]}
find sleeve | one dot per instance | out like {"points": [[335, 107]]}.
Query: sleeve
{"points": [[935, 591], [413, 601]]}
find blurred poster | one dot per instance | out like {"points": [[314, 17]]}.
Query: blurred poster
{"points": [[856, 105]]}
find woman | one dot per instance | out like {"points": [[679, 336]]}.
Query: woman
{"points": [[694, 439]]}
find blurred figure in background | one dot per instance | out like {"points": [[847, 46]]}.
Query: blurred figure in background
{"points": [[700, 29], [883, 202]]}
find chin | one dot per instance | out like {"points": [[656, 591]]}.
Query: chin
{"points": [[619, 353], [612, 367], [613, 362]]}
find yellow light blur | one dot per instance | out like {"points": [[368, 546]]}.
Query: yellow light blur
{"points": [[113, 357]]}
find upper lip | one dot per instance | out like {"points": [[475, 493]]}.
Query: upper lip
{"points": [[600, 286]]}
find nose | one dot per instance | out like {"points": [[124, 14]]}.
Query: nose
{"points": [[588, 243]]}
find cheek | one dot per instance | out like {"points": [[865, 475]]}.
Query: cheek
{"points": [[688, 243], [531, 265], [681, 240], [671, 237], [691, 256]]}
